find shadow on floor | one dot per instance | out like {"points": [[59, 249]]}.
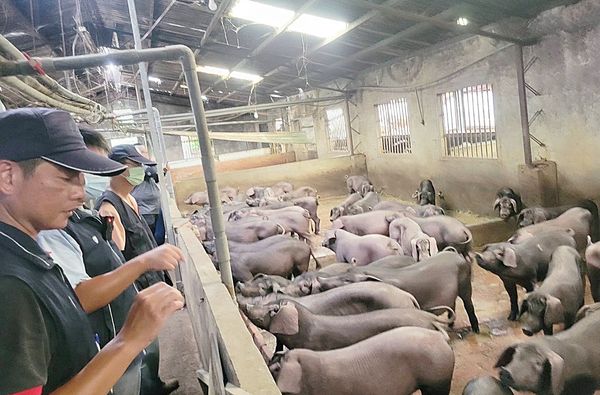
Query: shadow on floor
{"points": [[179, 357]]}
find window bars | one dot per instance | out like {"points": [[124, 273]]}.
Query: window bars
{"points": [[394, 130], [337, 131], [469, 126], [191, 147]]}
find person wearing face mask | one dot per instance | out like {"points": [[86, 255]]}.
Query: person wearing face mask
{"points": [[147, 195], [98, 273], [133, 237], [131, 232]]}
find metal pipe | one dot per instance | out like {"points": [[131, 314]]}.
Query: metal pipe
{"points": [[250, 108], [155, 136], [523, 106], [165, 185], [349, 126], [129, 57]]}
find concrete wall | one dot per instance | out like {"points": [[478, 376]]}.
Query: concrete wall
{"points": [[566, 74], [326, 175]]}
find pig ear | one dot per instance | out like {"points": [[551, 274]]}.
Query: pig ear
{"points": [[589, 238], [290, 377], [415, 253], [538, 217], [496, 203], [553, 374], [524, 307], [433, 248], [513, 203], [285, 321], [510, 257], [554, 311], [505, 357], [250, 192]]}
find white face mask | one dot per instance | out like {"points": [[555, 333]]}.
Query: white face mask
{"points": [[94, 186]]}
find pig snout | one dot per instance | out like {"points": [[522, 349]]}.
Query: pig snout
{"points": [[239, 287], [527, 331], [506, 377]]}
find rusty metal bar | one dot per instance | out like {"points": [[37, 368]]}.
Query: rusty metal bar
{"points": [[523, 106]]}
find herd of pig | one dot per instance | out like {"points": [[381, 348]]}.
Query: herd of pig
{"points": [[376, 321]]}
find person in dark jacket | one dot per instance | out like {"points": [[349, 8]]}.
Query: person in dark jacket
{"points": [[47, 344], [97, 271]]}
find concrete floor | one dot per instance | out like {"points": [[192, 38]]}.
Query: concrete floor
{"points": [[179, 357], [475, 354]]}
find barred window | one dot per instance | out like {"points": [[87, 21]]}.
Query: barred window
{"points": [[394, 131], [337, 131], [191, 147], [469, 125]]}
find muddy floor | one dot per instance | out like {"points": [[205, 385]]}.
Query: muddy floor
{"points": [[475, 354]]}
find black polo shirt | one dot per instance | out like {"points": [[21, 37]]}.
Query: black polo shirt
{"points": [[45, 336]]}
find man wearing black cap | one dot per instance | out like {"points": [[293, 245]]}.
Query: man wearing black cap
{"points": [[131, 232], [97, 271], [47, 345], [133, 236]]}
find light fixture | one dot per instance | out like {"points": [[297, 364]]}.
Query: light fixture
{"points": [[156, 80], [220, 71], [212, 5], [317, 26], [462, 21], [279, 17], [261, 13], [254, 78], [183, 86], [204, 98], [226, 74]]}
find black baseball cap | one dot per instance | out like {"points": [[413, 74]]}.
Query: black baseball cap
{"points": [[128, 151], [49, 134]]}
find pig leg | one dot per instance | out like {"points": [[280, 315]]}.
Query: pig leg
{"points": [[511, 288], [594, 277], [465, 296], [442, 389]]}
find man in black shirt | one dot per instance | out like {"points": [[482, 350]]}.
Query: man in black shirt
{"points": [[46, 343]]}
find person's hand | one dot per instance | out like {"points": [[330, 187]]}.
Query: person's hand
{"points": [[165, 257], [149, 312]]}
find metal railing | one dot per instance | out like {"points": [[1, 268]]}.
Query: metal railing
{"points": [[468, 121], [337, 130], [394, 130]]}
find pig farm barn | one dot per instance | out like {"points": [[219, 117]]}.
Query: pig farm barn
{"points": [[373, 197]]}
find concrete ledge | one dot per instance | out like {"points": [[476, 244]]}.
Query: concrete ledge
{"points": [[493, 231], [227, 352]]}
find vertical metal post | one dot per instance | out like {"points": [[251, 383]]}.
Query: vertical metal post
{"points": [[523, 106], [162, 182], [349, 126], [154, 132], [210, 173]]}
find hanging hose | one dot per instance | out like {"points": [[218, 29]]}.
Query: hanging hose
{"points": [[45, 89], [28, 91]]}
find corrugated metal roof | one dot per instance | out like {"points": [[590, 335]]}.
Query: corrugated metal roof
{"points": [[380, 37]]}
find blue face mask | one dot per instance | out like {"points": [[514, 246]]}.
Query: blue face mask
{"points": [[94, 186]]}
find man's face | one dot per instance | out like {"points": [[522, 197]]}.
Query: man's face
{"points": [[130, 165], [46, 199]]}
